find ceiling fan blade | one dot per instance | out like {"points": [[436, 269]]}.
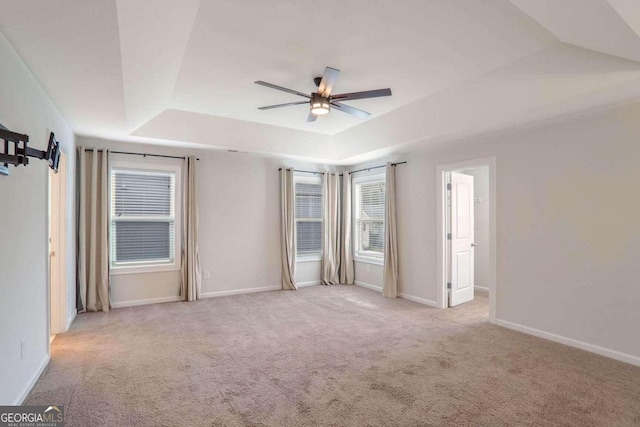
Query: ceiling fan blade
{"points": [[284, 89], [347, 109], [312, 117], [329, 78], [362, 95], [288, 104]]}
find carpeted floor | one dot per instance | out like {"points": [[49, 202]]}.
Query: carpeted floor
{"points": [[339, 356]]}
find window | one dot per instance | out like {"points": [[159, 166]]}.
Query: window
{"points": [[308, 213], [369, 218], [144, 228]]}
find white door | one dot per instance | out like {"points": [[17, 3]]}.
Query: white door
{"points": [[461, 243]]}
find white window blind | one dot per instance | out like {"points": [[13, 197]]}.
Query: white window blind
{"points": [[369, 213], [142, 217], [308, 212]]}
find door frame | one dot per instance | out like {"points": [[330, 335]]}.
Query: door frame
{"points": [[441, 208], [61, 247]]}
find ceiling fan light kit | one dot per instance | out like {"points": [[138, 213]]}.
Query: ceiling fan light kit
{"points": [[320, 102], [320, 105]]}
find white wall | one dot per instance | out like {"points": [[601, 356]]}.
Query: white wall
{"points": [[239, 222], [568, 237], [308, 273], [369, 275], [239, 206], [24, 311], [481, 225]]}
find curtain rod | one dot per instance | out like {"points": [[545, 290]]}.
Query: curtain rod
{"points": [[143, 154], [359, 170], [297, 170], [377, 167]]}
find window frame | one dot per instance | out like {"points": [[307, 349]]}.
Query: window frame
{"points": [[369, 257], [143, 266], [308, 179]]}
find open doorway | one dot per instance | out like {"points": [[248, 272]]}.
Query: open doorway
{"points": [[466, 238], [57, 248]]}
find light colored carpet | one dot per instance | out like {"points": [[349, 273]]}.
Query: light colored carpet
{"points": [[339, 356]]}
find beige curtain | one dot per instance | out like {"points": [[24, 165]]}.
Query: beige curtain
{"points": [[347, 273], [287, 229], [93, 236], [390, 287], [331, 225], [190, 263]]}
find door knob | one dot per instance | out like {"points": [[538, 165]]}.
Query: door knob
{"points": [[473, 245]]}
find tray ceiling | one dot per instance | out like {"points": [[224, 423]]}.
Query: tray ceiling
{"points": [[183, 70]]}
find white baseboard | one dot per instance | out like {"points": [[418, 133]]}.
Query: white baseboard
{"points": [[71, 318], [133, 303], [368, 286], [240, 291], [305, 284], [34, 379], [613, 354], [420, 300], [481, 289]]}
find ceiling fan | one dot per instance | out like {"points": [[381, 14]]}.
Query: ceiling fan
{"points": [[321, 101]]}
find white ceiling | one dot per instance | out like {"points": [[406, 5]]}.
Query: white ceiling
{"points": [[183, 70]]}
